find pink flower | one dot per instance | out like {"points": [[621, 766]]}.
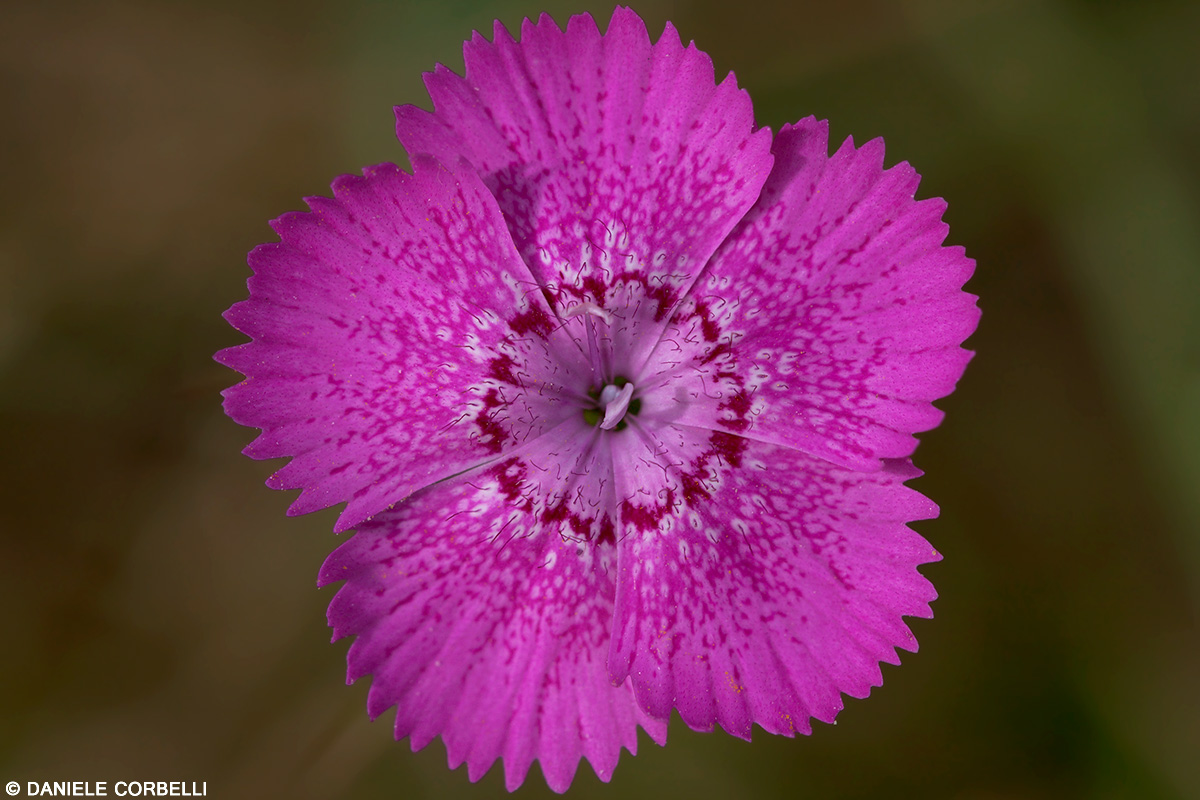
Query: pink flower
{"points": [[619, 391]]}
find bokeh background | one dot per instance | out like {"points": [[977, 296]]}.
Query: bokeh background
{"points": [[160, 615]]}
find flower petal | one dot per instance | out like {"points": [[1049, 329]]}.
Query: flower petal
{"points": [[614, 160], [386, 324], [482, 607], [837, 295], [758, 583]]}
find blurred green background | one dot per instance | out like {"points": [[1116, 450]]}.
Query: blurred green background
{"points": [[160, 617]]}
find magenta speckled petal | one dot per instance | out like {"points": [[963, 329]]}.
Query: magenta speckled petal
{"points": [[610, 156], [837, 299], [378, 322], [482, 610], [757, 584]]}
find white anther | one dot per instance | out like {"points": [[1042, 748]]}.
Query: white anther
{"points": [[616, 403], [589, 308], [608, 394]]}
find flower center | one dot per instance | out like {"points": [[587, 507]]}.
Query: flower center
{"points": [[612, 403], [615, 402]]}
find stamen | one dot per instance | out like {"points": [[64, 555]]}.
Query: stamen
{"points": [[615, 402], [589, 308]]}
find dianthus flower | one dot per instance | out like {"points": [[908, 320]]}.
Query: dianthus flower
{"points": [[619, 390]]}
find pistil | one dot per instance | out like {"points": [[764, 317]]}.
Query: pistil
{"points": [[588, 308], [615, 402]]}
